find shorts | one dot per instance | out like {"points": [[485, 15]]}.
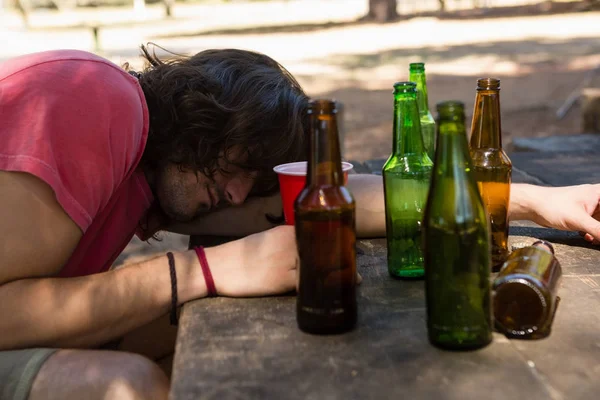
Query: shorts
{"points": [[18, 369]]}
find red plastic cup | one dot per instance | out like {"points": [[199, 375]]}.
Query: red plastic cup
{"points": [[292, 178]]}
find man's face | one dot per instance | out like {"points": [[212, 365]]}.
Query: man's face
{"points": [[184, 195]]}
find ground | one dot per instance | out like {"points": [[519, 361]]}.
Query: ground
{"points": [[542, 54]]}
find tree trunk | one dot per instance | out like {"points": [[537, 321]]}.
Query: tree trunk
{"points": [[382, 10], [443, 5], [168, 7], [23, 7]]}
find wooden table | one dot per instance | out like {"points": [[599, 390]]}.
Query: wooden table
{"points": [[252, 348]]}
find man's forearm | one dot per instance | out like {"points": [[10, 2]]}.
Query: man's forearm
{"points": [[251, 216], [243, 220], [370, 210], [522, 202], [370, 219], [370, 204], [92, 310]]}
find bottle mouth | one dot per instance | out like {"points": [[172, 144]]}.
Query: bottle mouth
{"points": [[450, 107], [488, 84], [520, 308], [539, 243], [417, 67], [405, 87], [322, 106]]}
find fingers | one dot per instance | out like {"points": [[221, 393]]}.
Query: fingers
{"points": [[591, 227], [586, 236], [358, 278], [589, 238]]}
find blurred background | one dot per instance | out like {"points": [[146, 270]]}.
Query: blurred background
{"points": [[546, 53]]}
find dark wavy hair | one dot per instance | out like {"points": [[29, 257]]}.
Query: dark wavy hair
{"points": [[203, 106]]}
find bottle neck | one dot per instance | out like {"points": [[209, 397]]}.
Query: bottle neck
{"points": [[422, 98], [324, 164], [452, 149], [486, 129], [407, 126]]}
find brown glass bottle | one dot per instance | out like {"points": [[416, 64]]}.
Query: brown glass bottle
{"points": [[491, 165], [325, 232], [525, 299]]}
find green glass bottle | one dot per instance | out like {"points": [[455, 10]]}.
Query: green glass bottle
{"points": [[492, 166], [406, 177], [456, 242], [417, 75]]}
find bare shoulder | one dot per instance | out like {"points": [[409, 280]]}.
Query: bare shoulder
{"points": [[37, 236]]}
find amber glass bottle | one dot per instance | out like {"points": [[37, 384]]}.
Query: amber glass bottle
{"points": [[325, 232], [491, 165]]}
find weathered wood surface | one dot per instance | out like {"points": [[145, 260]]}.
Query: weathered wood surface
{"points": [[568, 362], [252, 348]]}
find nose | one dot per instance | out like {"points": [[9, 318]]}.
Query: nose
{"points": [[237, 191]]}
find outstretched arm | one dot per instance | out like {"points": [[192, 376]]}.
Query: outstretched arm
{"points": [[370, 205], [250, 217], [572, 208]]}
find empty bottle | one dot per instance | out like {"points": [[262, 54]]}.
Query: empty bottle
{"points": [[525, 299], [406, 177], [417, 75]]}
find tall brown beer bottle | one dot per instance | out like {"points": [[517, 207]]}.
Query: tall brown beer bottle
{"points": [[491, 165], [325, 232]]}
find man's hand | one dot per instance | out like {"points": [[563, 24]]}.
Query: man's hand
{"points": [[260, 264], [573, 208]]}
